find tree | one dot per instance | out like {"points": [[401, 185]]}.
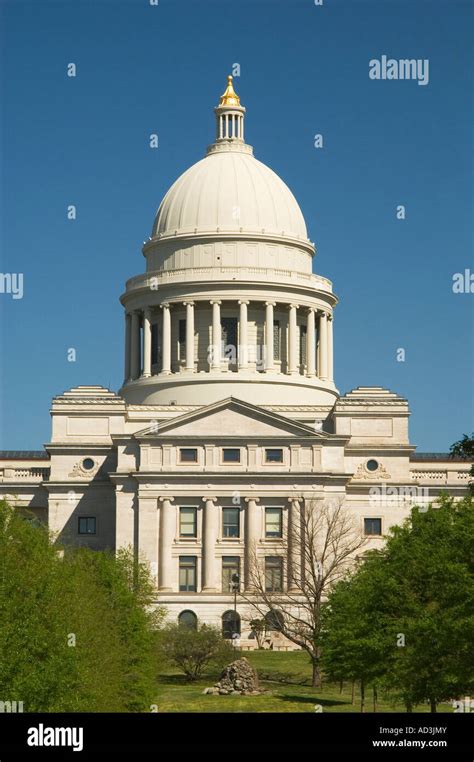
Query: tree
{"points": [[464, 449], [259, 627], [323, 545], [76, 629], [355, 646], [194, 650], [411, 606]]}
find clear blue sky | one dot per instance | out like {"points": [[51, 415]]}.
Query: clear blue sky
{"points": [[304, 70]]}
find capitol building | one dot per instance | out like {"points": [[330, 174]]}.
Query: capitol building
{"points": [[228, 421]]}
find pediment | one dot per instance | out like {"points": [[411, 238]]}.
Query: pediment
{"points": [[230, 418]]}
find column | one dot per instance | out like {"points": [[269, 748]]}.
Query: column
{"points": [[269, 361], [252, 536], [210, 534], [292, 341], [135, 345], [243, 335], [167, 536], [148, 533], [216, 335], [166, 340], [330, 349], [323, 346], [147, 343], [294, 545], [128, 320], [310, 344], [189, 336]]}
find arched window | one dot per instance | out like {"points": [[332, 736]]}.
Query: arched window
{"points": [[230, 624], [188, 619], [274, 620]]}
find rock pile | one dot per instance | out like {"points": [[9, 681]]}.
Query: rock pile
{"points": [[239, 677]]}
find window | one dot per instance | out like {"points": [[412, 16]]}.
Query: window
{"points": [[154, 343], [230, 624], [187, 574], [372, 465], [188, 619], [231, 455], [273, 456], [276, 340], [230, 566], [229, 338], [88, 464], [230, 522], [373, 527], [273, 574], [87, 525], [302, 345], [274, 620], [273, 522], [188, 455], [188, 522], [182, 340]]}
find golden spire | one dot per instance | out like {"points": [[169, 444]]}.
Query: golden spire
{"points": [[230, 97]]}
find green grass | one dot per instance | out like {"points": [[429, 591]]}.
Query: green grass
{"points": [[286, 678]]}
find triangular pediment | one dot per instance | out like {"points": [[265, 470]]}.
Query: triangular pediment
{"points": [[230, 418]]}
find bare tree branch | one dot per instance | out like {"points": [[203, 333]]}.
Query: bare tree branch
{"points": [[320, 550]]}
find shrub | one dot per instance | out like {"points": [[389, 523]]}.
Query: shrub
{"points": [[194, 650]]}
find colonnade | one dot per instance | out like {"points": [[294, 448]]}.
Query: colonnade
{"points": [[209, 581], [319, 355]]}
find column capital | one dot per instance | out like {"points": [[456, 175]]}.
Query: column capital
{"points": [[270, 304], [323, 313], [244, 301], [162, 498], [206, 498], [330, 315], [215, 301], [188, 301], [295, 499], [312, 309], [294, 306], [165, 304], [249, 499]]}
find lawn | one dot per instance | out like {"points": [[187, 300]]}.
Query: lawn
{"points": [[286, 677]]}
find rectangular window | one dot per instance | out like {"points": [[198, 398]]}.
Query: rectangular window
{"points": [[230, 567], [273, 574], [230, 522], [302, 345], [276, 340], [182, 339], [373, 527], [229, 338], [188, 522], [154, 343], [231, 455], [87, 525], [188, 455], [273, 522], [273, 456], [187, 574]]}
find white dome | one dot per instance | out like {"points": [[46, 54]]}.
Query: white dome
{"points": [[230, 191]]}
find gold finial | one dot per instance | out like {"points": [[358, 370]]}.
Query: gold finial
{"points": [[230, 97]]}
